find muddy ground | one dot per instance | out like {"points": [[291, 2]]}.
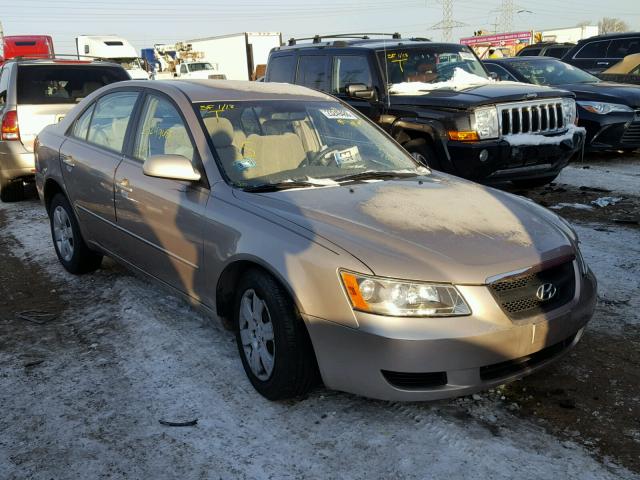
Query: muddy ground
{"points": [[590, 398]]}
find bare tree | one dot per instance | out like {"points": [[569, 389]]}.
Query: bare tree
{"points": [[612, 25], [584, 23]]}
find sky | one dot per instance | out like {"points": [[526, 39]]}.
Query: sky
{"points": [[146, 22]]}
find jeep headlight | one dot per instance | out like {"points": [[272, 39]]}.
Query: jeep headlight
{"points": [[568, 111], [485, 122], [401, 298]]}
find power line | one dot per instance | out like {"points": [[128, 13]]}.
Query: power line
{"points": [[447, 24]]}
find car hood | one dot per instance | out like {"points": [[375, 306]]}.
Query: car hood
{"points": [[499, 92], [437, 229], [606, 92]]}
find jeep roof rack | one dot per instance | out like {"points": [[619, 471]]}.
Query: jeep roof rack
{"points": [[360, 36]]}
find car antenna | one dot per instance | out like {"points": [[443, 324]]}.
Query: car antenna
{"points": [[386, 72]]}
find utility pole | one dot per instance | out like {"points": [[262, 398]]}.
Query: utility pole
{"points": [[448, 23], [507, 10]]}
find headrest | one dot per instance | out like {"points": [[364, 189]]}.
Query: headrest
{"points": [[220, 130]]}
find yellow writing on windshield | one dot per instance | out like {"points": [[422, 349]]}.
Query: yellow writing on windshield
{"points": [[398, 57], [217, 108]]}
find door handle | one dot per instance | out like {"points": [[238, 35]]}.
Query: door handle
{"points": [[603, 63], [68, 160], [125, 186]]}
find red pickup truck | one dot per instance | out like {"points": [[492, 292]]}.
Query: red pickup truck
{"points": [[32, 46]]}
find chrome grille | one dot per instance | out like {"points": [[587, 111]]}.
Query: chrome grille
{"points": [[531, 117], [631, 134]]}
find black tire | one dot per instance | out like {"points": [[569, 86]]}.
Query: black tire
{"points": [[534, 182], [294, 370], [420, 149], [629, 151], [82, 260], [12, 191]]}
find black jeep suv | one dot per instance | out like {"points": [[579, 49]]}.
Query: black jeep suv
{"points": [[438, 101]]}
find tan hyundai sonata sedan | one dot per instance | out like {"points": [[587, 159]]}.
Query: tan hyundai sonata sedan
{"points": [[331, 251]]}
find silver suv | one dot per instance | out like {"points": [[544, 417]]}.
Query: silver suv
{"points": [[33, 94]]}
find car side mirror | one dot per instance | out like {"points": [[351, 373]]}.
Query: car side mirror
{"points": [[173, 167], [494, 76], [360, 90]]}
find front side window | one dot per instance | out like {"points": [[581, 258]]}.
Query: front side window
{"points": [[161, 131], [197, 67], [313, 72], [111, 119], [623, 47], [297, 140], [183, 69], [428, 64], [551, 72], [594, 50], [350, 69]]}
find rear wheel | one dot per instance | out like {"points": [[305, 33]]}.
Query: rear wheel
{"points": [[70, 247], [420, 149], [12, 191], [534, 182], [274, 346]]}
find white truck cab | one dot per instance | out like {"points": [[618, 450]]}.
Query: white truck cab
{"points": [[198, 70], [114, 48]]}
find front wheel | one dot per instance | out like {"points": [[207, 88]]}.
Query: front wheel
{"points": [[72, 251], [274, 346], [420, 149], [534, 182]]}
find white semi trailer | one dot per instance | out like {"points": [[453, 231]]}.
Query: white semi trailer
{"points": [[240, 56], [114, 48]]}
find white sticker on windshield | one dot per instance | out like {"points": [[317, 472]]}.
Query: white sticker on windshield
{"points": [[338, 114], [466, 56], [348, 158]]}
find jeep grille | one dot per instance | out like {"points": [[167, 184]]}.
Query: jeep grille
{"points": [[531, 117]]}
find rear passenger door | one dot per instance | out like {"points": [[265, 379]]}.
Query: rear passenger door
{"points": [[592, 57], [90, 155], [160, 220]]}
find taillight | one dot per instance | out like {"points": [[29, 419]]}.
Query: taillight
{"points": [[10, 130]]}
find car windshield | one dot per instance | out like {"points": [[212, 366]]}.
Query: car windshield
{"points": [[551, 72], [429, 64], [262, 143], [196, 67]]}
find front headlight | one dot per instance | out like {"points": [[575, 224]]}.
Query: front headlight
{"points": [[485, 122], [602, 108], [402, 299], [569, 111]]}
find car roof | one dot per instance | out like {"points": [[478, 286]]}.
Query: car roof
{"points": [[231, 90], [60, 61], [368, 44], [607, 36], [520, 58]]}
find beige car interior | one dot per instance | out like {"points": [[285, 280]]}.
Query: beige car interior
{"points": [[283, 145]]}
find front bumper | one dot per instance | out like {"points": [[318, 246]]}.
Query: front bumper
{"points": [[509, 162], [451, 356], [614, 131]]}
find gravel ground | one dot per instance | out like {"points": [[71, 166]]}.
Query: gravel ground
{"points": [[83, 393]]}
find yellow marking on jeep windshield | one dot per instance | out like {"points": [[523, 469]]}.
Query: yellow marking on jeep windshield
{"points": [[398, 57]]}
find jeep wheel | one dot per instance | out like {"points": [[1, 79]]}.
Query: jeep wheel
{"points": [[420, 149]]}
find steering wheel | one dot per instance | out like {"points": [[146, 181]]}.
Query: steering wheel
{"points": [[324, 157]]}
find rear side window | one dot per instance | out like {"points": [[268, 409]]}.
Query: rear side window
{"points": [[350, 69], [49, 84], [556, 52], [532, 52], [623, 47], [4, 85], [594, 50], [111, 119], [81, 127], [281, 69], [313, 72]]}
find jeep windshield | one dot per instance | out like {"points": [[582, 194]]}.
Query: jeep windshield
{"points": [[295, 143], [439, 65]]}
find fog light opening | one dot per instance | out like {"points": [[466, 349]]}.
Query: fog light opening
{"points": [[484, 155]]}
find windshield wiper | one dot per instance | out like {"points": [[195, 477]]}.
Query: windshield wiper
{"points": [[374, 175], [274, 187]]}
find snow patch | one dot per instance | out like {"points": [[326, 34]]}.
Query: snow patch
{"points": [[606, 201], [460, 80], [578, 206], [522, 139]]}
